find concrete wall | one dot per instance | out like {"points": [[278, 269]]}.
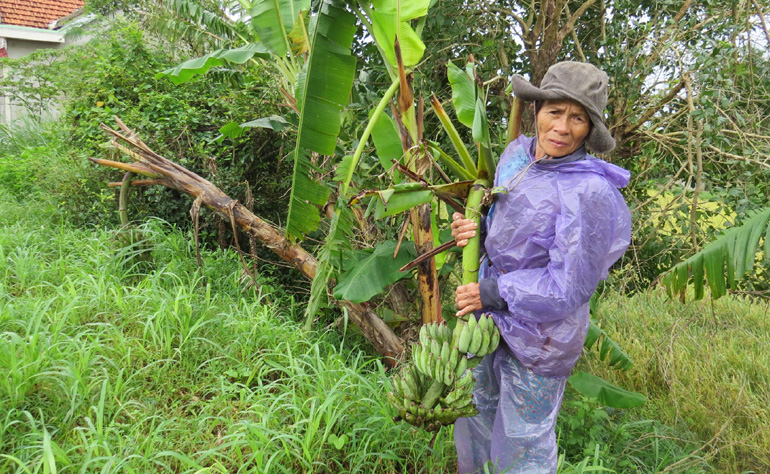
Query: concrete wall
{"points": [[18, 48]]}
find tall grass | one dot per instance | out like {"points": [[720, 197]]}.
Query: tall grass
{"points": [[116, 362], [705, 369]]}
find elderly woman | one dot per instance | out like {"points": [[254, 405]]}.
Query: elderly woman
{"points": [[549, 241]]}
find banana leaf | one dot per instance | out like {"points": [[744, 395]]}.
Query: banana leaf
{"points": [[192, 67], [606, 393], [236, 130], [391, 17], [388, 144], [400, 202], [725, 260], [325, 92], [371, 273], [617, 357], [273, 20], [463, 94]]}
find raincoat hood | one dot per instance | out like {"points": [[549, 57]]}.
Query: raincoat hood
{"points": [[585, 163]]}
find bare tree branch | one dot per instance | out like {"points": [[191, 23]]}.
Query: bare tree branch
{"points": [[654, 109], [177, 177], [737, 157], [762, 20], [570, 25], [575, 39]]}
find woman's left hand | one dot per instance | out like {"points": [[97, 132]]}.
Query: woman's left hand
{"points": [[467, 299]]}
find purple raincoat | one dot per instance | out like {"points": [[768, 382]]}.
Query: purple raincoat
{"points": [[549, 241]]}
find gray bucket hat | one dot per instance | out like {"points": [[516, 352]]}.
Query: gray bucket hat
{"points": [[581, 82]]}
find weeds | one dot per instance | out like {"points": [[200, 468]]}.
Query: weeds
{"points": [[119, 364], [703, 367]]}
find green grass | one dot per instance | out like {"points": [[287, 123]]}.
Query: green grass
{"points": [[130, 360], [705, 368]]}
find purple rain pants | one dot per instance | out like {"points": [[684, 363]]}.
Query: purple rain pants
{"points": [[514, 431]]}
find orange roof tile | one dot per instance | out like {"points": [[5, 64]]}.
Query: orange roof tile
{"points": [[36, 13]]}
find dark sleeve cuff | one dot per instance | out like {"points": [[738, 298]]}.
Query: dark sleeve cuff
{"points": [[490, 296]]}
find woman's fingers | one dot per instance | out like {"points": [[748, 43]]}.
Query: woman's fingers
{"points": [[467, 299], [462, 229]]}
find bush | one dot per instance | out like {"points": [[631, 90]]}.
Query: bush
{"points": [[114, 74]]}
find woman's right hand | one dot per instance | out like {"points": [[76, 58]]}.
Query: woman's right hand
{"points": [[462, 229]]}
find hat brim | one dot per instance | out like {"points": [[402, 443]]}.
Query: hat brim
{"points": [[599, 139]]}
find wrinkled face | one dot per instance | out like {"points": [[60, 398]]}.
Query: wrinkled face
{"points": [[562, 126]]}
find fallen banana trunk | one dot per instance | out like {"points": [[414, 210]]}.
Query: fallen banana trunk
{"points": [[172, 175], [436, 388]]}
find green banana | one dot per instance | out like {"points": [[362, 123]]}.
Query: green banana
{"points": [[413, 382], [445, 351], [476, 337], [454, 357], [495, 339], [461, 366], [486, 338], [398, 392], [465, 338], [453, 396], [483, 321], [424, 360], [449, 373], [456, 334], [432, 330], [409, 393], [424, 337], [446, 332], [437, 387], [447, 416], [463, 402], [466, 379], [416, 353], [472, 322], [435, 347], [392, 398]]}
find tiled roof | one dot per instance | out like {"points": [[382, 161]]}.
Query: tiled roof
{"points": [[36, 13]]}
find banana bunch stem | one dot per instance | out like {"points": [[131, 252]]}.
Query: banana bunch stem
{"points": [[472, 251]]}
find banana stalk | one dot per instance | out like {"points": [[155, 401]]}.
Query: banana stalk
{"points": [[471, 252]]}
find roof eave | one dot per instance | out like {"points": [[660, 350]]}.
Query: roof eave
{"points": [[30, 34]]}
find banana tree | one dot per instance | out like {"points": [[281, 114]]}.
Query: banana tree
{"points": [[312, 53], [313, 57], [723, 261]]}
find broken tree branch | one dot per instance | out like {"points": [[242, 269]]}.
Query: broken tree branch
{"points": [[174, 176]]}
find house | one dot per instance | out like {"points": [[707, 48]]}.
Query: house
{"points": [[29, 25]]}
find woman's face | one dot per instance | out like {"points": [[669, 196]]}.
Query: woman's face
{"points": [[562, 126]]}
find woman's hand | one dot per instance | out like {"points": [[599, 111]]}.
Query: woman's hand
{"points": [[462, 229], [467, 299]]}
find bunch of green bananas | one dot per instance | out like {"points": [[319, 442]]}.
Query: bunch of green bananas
{"points": [[437, 387]]}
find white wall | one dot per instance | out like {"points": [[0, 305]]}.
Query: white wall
{"points": [[18, 48]]}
